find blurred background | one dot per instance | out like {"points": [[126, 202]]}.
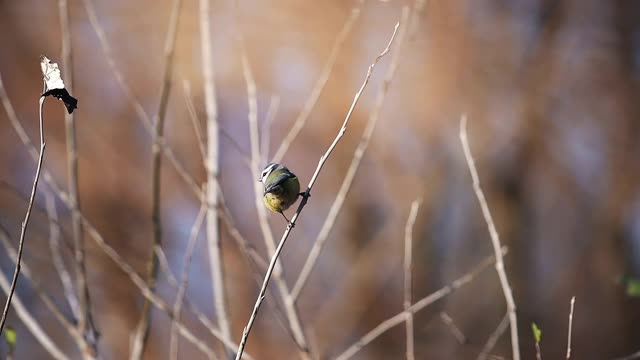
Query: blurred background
{"points": [[551, 92]]}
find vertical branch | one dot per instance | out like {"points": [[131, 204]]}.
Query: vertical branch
{"points": [[213, 143], [266, 128], [184, 279], [408, 266], [27, 216], [336, 207], [142, 329], [495, 239], [573, 301], [305, 198], [85, 321], [56, 256]]}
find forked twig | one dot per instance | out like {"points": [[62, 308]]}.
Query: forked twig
{"points": [[419, 305], [305, 198], [495, 239]]}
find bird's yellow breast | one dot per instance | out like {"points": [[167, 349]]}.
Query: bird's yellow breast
{"points": [[281, 201]]}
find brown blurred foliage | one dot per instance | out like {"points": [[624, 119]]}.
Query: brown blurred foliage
{"points": [[551, 91]]}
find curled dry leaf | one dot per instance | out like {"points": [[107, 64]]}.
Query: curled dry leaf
{"points": [[54, 84]]}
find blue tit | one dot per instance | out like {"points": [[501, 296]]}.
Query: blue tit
{"points": [[281, 188]]}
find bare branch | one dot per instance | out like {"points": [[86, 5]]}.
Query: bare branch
{"points": [[305, 198], [336, 207], [142, 329], [184, 279], [56, 256], [137, 106], [419, 305], [85, 320], [408, 267], [292, 314], [212, 164], [266, 128], [110, 252], [493, 339], [635, 355], [573, 301], [27, 215], [32, 324], [44, 297], [451, 325], [152, 297], [495, 240]]}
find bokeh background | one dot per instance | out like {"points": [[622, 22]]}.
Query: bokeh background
{"points": [[551, 92]]}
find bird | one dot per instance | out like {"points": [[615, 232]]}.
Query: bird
{"points": [[281, 188]]}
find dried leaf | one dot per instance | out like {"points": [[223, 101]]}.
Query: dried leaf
{"points": [[54, 84]]}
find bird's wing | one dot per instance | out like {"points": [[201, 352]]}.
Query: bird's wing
{"points": [[275, 186]]}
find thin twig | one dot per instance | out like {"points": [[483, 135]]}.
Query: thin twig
{"points": [[184, 279], [32, 324], [195, 122], [265, 137], [85, 320], [419, 305], [311, 101], [538, 351], [193, 116], [153, 297], [212, 162], [27, 216], [635, 355], [31, 148], [291, 312], [54, 309], [305, 198], [493, 339], [451, 325], [142, 116], [142, 329], [408, 267], [97, 237], [336, 207], [56, 256], [573, 301], [495, 239]]}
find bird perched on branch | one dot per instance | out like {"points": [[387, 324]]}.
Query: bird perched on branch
{"points": [[281, 188]]}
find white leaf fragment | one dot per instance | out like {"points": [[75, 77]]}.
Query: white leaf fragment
{"points": [[51, 73]]}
